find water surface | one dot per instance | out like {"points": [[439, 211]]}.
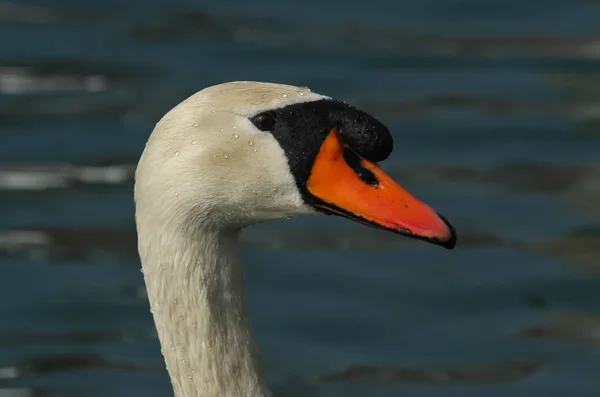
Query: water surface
{"points": [[495, 111]]}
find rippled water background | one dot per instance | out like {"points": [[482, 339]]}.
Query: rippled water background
{"points": [[495, 108]]}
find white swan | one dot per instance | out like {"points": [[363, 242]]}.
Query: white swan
{"points": [[236, 154]]}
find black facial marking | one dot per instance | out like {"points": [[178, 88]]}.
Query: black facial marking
{"points": [[302, 128], [365, 175]]}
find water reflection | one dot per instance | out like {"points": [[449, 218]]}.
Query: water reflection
{"points": [[475, 375], [34, 392], [353, 35], [45, 364], [580, 248], [60, 176], [11, 12], [67, 338], [574, 327]]}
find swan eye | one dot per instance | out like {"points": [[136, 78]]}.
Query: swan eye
{"points": [[264, 121]]}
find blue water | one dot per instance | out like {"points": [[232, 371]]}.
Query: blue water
{"points": [[495, 111]]}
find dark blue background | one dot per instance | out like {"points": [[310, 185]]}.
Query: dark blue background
{"points": [[495, 111]]}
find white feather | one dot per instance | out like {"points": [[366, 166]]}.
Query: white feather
{"points": [[207, 172]]}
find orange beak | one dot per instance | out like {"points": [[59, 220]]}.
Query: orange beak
{"points": [[348, 185]]}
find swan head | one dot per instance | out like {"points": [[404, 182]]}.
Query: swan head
{"points": [[245, 152]]}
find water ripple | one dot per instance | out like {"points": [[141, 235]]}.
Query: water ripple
{"points": [[278, 32], [510, 371]]}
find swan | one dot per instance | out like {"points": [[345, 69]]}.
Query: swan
{"points": [[229, 156]]}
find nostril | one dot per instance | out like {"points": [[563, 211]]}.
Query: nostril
{"points": [[368, 177], [353, 160]]}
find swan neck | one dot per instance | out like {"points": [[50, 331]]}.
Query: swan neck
{"points": [[195, 286]]}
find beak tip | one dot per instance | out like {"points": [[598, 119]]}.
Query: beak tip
{"points": [[450, 243]]}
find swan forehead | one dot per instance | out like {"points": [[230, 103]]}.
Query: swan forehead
{"points": [[247, 98]]}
